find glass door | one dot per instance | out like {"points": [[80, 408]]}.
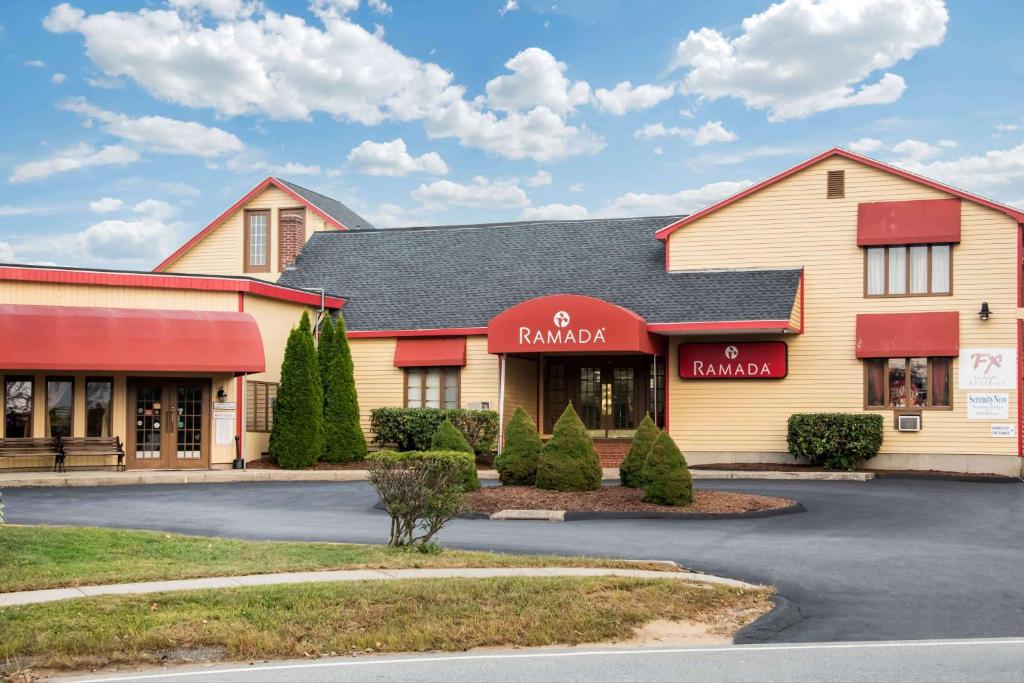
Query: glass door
{"points": [[145, 433], [168, 428], [188, 424]]}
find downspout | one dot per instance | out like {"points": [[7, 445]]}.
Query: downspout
{"points": [[501, 402], [320, 313]]}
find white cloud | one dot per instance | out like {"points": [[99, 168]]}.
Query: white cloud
{"points": [[37, 63], [992, 171], [82, 156], [379, 6], [539, 178], [105, 205], [686, 113], [712, 131], [625, 97], [393, 159], [105, 83], [684, 201], [58, 78], [481, 193], [509, 6], [865, 145], [143, 240], [245, 163], [1007, 127], [221, 9], [555, 212], [800, 57], [154, 208], [7, 210], [180, 189], [537, 80], [948, 144], [915, 150], [659, 151], [159, 133], [577, 187]]}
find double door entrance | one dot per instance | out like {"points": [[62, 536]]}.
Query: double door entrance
{"points": [[167, 424]]}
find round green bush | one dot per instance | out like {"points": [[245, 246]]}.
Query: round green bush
{"points": [[631, 469], [568, 461], [666, 477], [517, 462], [448, 438]]}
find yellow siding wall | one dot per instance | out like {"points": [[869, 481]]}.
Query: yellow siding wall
{"points": [[791, 224], [379, 384], [521, 388], [54, 294], [480, 376], [220, 252]]}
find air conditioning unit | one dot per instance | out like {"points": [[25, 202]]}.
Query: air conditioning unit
{"points": [[479, 405], [908, 423]]}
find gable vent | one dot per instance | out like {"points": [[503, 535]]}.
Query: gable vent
{"points": [[836, 185]]}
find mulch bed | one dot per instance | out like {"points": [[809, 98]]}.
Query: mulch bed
{"points": [[780, 467], [613, 499]]}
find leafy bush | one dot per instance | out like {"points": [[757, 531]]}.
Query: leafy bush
{"points": [[465, 462], [448, 438], [412, 429], [568, 461], [835, 441], [419, 494], [343, 435], [517, 463], [631, 469], [297, 439], [666, 477]]}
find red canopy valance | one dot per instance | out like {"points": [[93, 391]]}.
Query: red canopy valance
{"points": [[924, 221], [898, 335], [430, 352]]}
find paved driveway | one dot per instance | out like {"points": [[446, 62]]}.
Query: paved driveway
{"points": [[888, 559]]}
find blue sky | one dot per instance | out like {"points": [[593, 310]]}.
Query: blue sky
{"points": [[130, 125]]}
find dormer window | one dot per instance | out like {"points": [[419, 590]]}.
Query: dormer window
{"points": [[257, 241]]}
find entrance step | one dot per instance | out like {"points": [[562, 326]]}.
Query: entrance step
{"points": [[612, 451]]}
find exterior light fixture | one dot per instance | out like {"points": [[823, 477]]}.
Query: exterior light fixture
{"points": [[221, 394], [984, 313]]}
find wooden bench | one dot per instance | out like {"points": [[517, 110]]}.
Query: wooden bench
{"points": [[28, 448], [91, 447]]}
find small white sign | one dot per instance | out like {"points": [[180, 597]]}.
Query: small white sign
{"points": [[988, 406], [224, 432], [229, 405], [993, 368], [223, 415], [1004, 431]]}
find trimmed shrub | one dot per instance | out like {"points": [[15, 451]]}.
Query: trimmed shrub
{"points": [[343, 435], [296, 439], [568, 461], [448, 438], [325, 351], [666, 477], [631, 469], [517, 463], [412, 429], [465, 461], [419, 495], [835, 441]]}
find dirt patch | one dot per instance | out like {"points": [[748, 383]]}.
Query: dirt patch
{"points": [[613, 499]]}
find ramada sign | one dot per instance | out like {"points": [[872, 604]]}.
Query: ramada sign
{"points": [[568, 323], [733, 360]]}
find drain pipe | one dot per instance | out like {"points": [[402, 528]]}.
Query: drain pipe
{"points": [[320, 313]]}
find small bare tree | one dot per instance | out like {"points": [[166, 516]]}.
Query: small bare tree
{"points": [[420, 495]]}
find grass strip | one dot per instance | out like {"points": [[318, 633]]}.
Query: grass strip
{"points": [[35, 557], [309, 620]]}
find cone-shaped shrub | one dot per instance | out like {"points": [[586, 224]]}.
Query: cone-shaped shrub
{"points": [[448, 438], [344, 439], [517, 462], [297, 439], [325, 351], [631, 469], [666, 476], [568, 461]]}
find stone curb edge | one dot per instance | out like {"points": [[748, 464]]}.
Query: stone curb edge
{"points": [[580, 516], [784, 614]]}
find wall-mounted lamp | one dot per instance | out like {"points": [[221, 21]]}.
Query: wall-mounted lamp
{"points": [[221, 394], [984, 313]]}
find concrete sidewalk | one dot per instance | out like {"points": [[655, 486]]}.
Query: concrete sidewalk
{"points": [[92, 478], [57, 594]]}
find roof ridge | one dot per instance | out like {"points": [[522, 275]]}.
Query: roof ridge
{"points": [[475, 226], [303, 187]]}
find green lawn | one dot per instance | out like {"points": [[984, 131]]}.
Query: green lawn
{"points": [[33, 557], [309, 620]]}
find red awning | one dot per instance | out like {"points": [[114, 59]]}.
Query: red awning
{"points": [[924, 221], [896, 335], [71, 338], [430, 351]]}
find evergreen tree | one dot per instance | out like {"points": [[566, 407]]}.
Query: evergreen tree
{"points": [[517, 462], [344, 440], [447, 437], [631, 469], [325, 352], [296, 439], [666, 477], [568, 461]]}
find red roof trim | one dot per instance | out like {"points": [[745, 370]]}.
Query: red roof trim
{"points": [[837, 151], [269, 180], [439, 332], [212, 284], [722, 325]]}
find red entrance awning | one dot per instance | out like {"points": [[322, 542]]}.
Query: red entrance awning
{"points": [[897, 335], [430, 352], [923, 221], [71, 338]]}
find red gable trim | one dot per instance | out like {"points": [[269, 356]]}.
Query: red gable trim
{"points": [[730, 325], [836, 151], [922, 221], [439, 332], [896, 335], [270, 180], [144, 280], [430, 352]]}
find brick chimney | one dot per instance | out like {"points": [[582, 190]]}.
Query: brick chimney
{"points": [[292, 227]]}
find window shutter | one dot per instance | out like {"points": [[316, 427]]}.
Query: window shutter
{"points": [[836, 185]]}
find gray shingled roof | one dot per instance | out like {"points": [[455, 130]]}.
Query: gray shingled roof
{"points": [[332, 207], [462, 276]]}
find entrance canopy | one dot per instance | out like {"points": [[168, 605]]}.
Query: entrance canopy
{"points": [[569, 323], [70, 338]]}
